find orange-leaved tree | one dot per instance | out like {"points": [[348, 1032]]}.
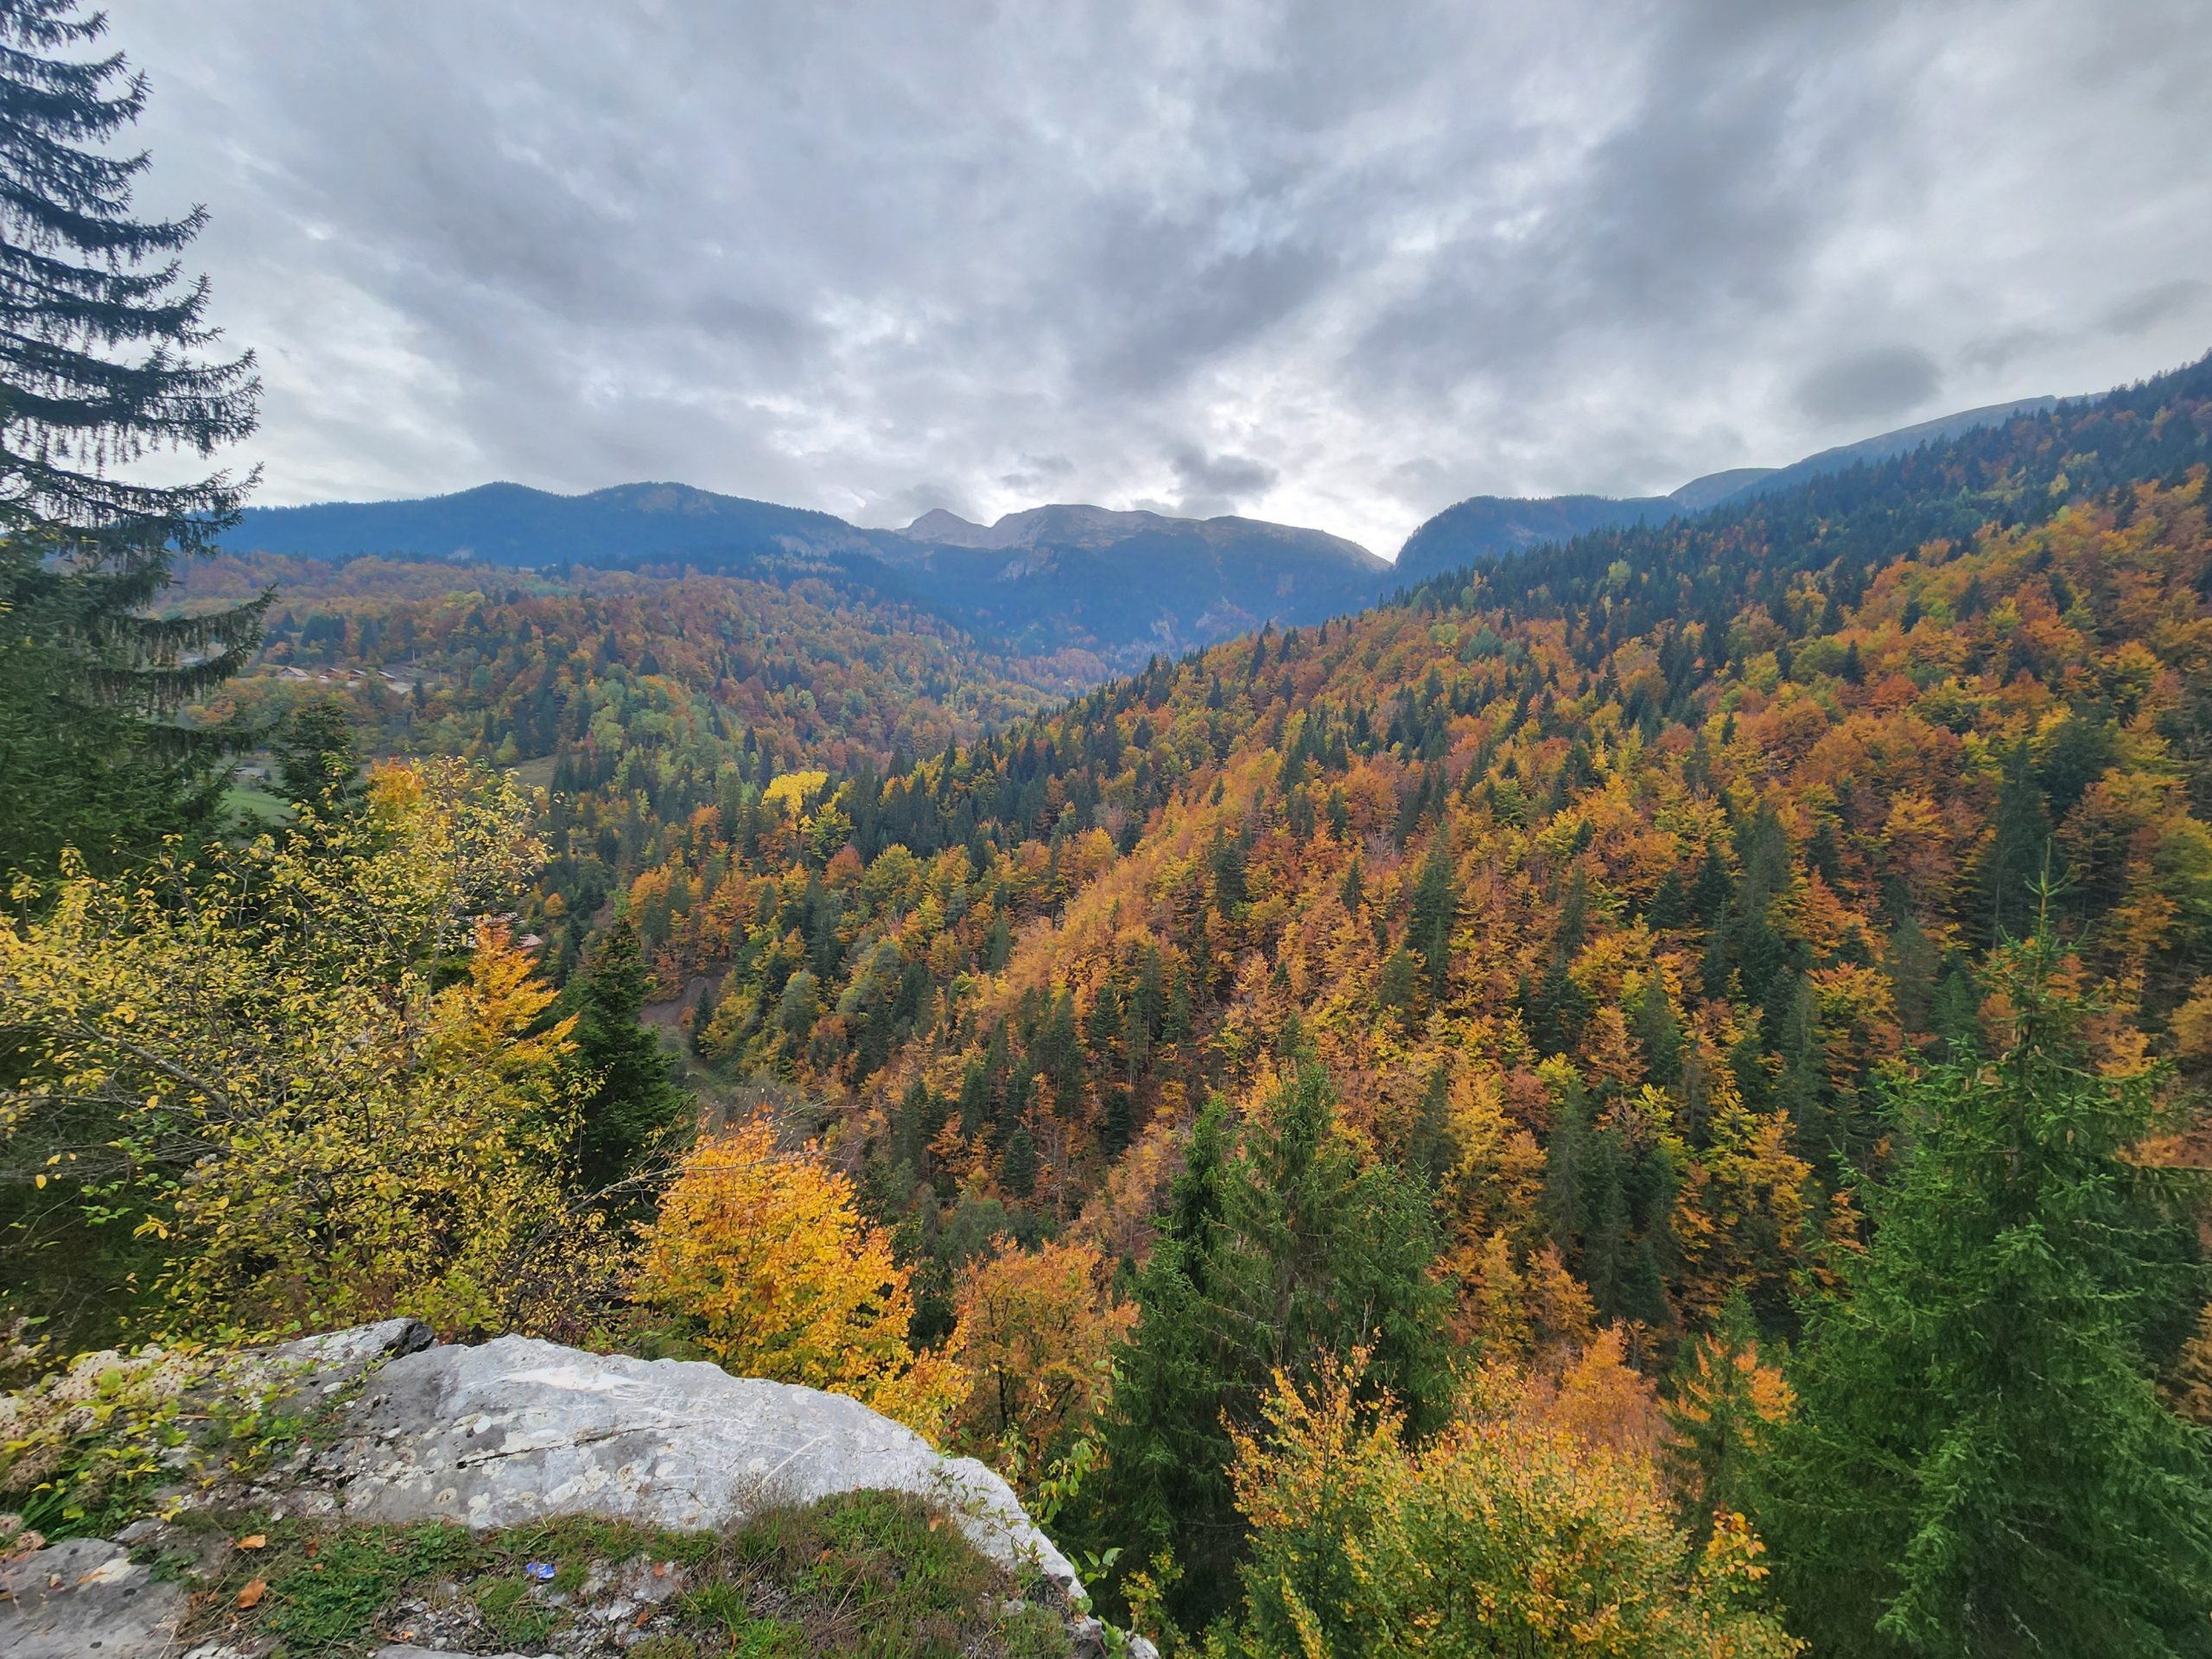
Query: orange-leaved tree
{"points": [[760, 1258], [1036, 1329]]}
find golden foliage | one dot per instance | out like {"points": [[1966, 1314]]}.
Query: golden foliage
{"points": [[1035, 1330], [276, 1091], [1504, 1533], [762, 1259]]}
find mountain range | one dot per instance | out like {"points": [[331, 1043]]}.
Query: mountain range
{"points": [[1492, 524], [1123, 584]]}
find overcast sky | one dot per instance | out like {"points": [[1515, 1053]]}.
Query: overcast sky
{"points": [[1334, 264]]}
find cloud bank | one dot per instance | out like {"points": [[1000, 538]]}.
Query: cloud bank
{"points": [[1335, 265]]}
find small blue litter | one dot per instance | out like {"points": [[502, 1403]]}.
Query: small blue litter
{"points": [[542, 1571]]}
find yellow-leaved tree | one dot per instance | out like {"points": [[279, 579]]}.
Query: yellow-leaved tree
{"points": [[760, 1259], [1506, 1533], [309, 1069]]}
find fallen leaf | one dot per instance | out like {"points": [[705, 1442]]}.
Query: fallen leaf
{"points": [[313, 1547], [251, 1595], [254, 1541]]}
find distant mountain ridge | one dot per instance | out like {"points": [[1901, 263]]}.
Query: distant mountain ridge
{"points": [[515, 524], [1490, 524], [1067, 525], [1123, 584]]}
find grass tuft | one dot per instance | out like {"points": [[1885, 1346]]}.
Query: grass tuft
{"points": [[869, 1575]]}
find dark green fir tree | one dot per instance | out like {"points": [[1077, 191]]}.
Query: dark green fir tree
{"points": [[318, 765], [1280, 1247], [1980, 1463], [636, 1102], [106, 358]]}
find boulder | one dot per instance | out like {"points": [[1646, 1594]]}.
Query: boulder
{"points": [[85, 1599], [519, 1431]]}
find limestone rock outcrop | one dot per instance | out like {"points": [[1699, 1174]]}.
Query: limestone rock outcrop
{"points": [[509, 1433], [519, 1430]]}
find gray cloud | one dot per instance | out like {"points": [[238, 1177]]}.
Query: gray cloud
{"points": [[1212, 484], [2140, 313], [1037, 475], [1339, 265], [1876, 384]]}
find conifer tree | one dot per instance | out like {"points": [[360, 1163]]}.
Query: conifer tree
{"points": [[2020, 842], [1981, 1463], [103, 359], [1726, 1399], [635, 1099], [1435, 908], [1276, 1254], [317, 765]]}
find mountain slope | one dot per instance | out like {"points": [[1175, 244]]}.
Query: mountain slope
{"points": [[1489, 524], [512, 524], [1137, 583], [1604, 880], [1120, 584]]}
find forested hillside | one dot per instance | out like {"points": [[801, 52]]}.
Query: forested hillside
{"points": [[1749, 797], [1608, 893], [639, 700], [1644, 1099], [1486, 524]]}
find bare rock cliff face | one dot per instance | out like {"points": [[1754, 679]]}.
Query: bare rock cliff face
{"points": [[519, 1431]]}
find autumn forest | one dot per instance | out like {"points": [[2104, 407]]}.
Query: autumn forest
{"points": [[1643, 1096]]}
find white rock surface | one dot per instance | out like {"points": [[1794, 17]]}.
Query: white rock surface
{"points": [[338, 1357], [517, 1430], [84, 1600]]}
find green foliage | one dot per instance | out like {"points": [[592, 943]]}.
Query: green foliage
{"points": [[262, 1060], [1981, 1464], [90, 1446], [317, 766], [635, 1104], [868, 1576], [104, 358], [1280, 1252], [1725, 1401], [326, 1602]]}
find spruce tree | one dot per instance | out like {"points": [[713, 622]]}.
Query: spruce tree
{"points": [[1276, 1252], [635, 1100], [317, 763], [1435, 908], [103, 359], [2019, 845], [1980, 1463]]}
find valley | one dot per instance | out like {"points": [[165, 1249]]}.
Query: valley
{"points": [[643, 1073]]}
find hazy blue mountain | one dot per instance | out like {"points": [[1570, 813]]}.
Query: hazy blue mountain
{"points": [[511, 523], [1123, 584], [1491, 523], [1136, 583]]}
